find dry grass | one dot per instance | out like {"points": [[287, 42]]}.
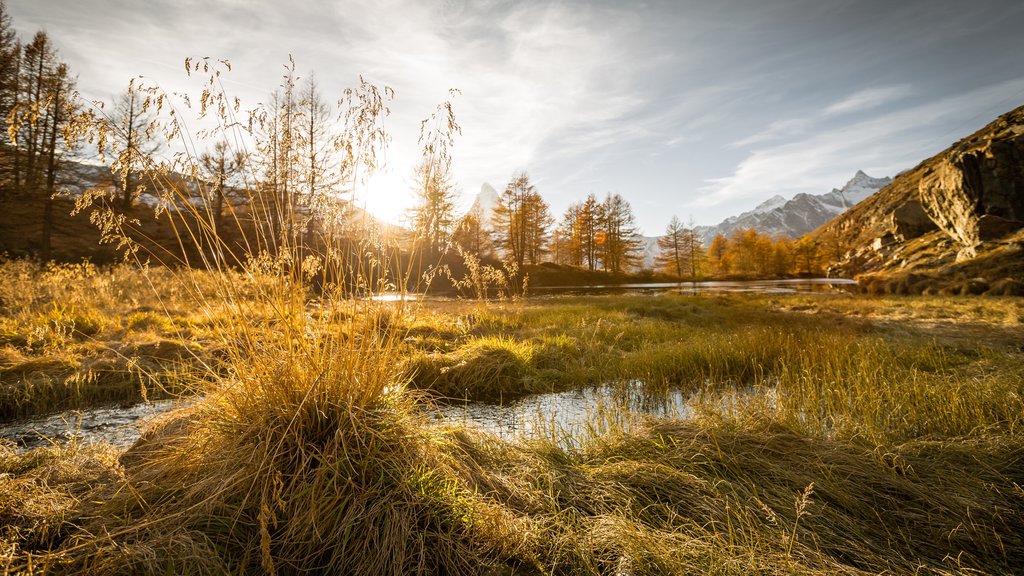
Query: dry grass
{"points": [[884, 444]]}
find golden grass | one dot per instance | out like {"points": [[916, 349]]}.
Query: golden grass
{"points": [[882, 441]]}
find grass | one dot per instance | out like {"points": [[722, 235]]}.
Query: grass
{"points": [[888, 443], [75, 336]]}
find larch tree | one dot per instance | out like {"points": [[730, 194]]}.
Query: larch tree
{"points": [[693, 249], [719, 255], [620, 248], [10, 54], [671, 248], [42, 103], [587, 231], [62, 104], [569, 245], [434, 213], [472, 233], [521, 220], [221, 166], [133, 142]]}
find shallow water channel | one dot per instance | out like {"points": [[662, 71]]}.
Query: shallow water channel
{"points": [[566, 417]]}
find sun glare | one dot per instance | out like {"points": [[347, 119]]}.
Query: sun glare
{"points": [[388, 196]]}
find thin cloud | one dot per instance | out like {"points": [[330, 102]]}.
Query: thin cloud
{"points": [[868, 99], [887, 143]]}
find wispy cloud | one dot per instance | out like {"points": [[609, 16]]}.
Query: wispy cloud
{"points": [[882, 145], [779, 129], [869, 98]]}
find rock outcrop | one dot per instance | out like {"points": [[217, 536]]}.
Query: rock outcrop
{"points": [[965, 202]]}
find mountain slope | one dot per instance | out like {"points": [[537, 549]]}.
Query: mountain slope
{"points": [[800, 215], [958, 212]]}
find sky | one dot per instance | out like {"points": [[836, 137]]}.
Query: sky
{"points": [[691, 108]]}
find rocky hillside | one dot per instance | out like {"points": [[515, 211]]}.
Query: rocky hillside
{"points": [[957, 216], [799, 215]]}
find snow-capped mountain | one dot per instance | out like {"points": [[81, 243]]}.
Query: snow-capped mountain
{"points": [[800, 215]]}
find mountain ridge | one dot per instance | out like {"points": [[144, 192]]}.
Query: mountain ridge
{"points": [[799, 215]]}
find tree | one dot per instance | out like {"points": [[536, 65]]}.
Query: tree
{"points": [[473, 234], [221, 166], [587, 231], [719, 255], [693, 248], [62, 105], [620, 247], [672, 248], [132, 124], [41, 103], [27, 126], [569, 245], [10, 54], [521, 221], [806, 257], [317, 174], [434, 213]]}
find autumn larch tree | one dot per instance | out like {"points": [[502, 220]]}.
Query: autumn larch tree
{"points": [[620, 248], [521, 220], [472, 233], [434, 213], [672, 248], [133, 143], [221, 166], [10, 55]]}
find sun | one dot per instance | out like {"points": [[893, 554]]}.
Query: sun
{"points": [[387, 195]]}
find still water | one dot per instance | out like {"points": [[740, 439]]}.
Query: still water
{"points": [[565, 417]]}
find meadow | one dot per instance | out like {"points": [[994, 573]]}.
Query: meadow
{"points": [[882, 434]]}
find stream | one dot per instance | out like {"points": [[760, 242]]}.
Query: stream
{"points": [[566, 417]]}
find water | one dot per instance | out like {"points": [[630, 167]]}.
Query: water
{"points": [[788, 286], [568, 416], [116, 425]]}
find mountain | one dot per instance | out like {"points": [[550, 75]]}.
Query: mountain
{"points": [[485, 202], [802, 214], [955, 222]]}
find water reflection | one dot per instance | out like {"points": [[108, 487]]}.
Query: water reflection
{"points": [[117, 425], [788, 286], [569, 416]]}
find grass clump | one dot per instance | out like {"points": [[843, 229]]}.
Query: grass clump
{"points": [[315, 460], [484, 368]]}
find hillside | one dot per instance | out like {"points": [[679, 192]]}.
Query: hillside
{"points": [[954, 222], [75, 238]]}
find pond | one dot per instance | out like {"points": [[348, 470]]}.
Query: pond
{"points": [[787, 286]]}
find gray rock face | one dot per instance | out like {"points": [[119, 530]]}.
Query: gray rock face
{"points": [[911, 220], [976, 183]]}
